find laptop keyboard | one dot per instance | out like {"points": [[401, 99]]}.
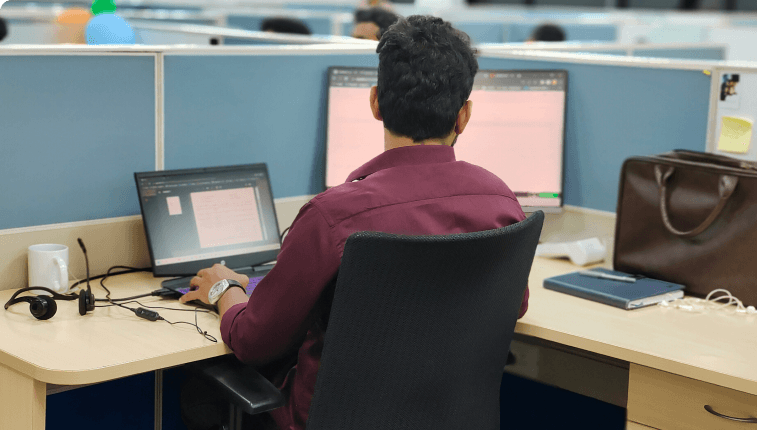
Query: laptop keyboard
{"points": [[182, 284]]}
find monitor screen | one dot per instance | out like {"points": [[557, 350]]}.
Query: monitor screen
{"points": [[195, 218], [516, 131]]}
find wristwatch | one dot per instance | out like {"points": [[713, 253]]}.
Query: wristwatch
{"points": [[220, 287]]}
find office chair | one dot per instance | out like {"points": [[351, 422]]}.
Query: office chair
{"points": [[419, 330], [244, 389]]}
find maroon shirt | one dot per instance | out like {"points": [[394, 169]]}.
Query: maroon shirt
{"points": [[410, 190]]}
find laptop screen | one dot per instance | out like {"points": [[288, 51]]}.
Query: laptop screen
{"points": [[195, 218], [516, 130]]}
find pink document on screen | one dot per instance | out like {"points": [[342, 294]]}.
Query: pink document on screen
{"points": [[354, 135], [226, 217], [174, 205], [518, 136]]}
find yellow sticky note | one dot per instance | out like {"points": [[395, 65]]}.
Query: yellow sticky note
{"points": [[735, 135]]}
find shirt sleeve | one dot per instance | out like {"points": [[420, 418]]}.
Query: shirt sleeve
{"points": [[278, 313]]}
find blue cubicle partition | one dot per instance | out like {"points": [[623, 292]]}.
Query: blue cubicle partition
{"points": [[239, 41], [618, 52], [149, 36], [615, 112], [502, 31], [347, 28], [321, 7], [236, 109], [703, 53], [317, 24], [682, 51], [75, 128], [520, 32], [483, 32]]}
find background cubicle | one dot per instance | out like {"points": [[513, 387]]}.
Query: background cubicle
{"points": [[499, 32], [485, 24], [691, 51], [151, 33]]}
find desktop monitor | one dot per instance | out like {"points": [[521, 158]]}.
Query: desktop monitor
{"points": [[195, 218], [516, 131]]}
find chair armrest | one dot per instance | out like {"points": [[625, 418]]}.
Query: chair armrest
{"points": [[241, 384]]}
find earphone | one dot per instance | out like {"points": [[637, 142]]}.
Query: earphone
{"points": [[691, 304], [41, 307]]}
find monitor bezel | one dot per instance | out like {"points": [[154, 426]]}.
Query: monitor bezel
{"points": [[528, 209], [235, 261]]}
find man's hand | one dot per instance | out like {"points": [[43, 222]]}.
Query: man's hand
{"points": [[206, 278]]}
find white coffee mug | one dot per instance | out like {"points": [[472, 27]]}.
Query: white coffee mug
{"points": [[48, 267]]}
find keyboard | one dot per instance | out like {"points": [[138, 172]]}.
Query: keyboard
{"points": [[181, 285]]}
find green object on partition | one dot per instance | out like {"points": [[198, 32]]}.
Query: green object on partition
{"points": [[103, 6], [549, 195]]}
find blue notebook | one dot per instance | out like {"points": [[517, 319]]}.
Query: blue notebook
{"points": [[625, 295]]}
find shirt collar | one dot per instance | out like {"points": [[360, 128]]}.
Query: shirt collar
{"points": [[404, 156]]}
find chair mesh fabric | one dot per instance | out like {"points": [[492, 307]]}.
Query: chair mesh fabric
{"points": [[420, 329]]}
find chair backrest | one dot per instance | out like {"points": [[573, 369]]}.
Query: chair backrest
{"points": [[420, 328]]}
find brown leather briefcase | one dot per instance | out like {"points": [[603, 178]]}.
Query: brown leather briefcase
{"points": [[690, 218]]}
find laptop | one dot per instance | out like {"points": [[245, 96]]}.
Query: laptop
{"points": [[195, 218]]}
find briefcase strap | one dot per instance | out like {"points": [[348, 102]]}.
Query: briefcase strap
{"points": [[726, 186]]}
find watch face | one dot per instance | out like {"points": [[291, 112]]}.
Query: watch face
{"points": [[216, 290]]}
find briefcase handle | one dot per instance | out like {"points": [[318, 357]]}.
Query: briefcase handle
{"points": [[726, 186]]}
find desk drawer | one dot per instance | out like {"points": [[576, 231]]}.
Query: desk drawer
{"points": [[666, 401]]}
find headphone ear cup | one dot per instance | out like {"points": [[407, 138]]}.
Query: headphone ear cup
{"points": [[43, 307], [86, 302], [82, 303]]}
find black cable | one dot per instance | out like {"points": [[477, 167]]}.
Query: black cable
{"points": [[142, 311], [126, 270], [116, 304], [205, 311], [281, 238], [139, 296], [108, 274], [154, 316], [196, 325]]}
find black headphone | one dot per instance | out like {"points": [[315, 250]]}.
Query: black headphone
{"points": [[44, 307]]}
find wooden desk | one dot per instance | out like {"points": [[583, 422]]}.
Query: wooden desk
{"points": [[679, 361], [106, 344], [675, 356]]}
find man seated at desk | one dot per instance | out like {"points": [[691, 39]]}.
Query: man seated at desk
{"points": [[426, 71]]}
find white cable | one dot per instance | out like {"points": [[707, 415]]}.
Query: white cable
{"points": [[692, 304]]}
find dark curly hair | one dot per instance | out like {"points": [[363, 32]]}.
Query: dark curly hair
{"points": [[548, 33], [3, 29], [285, 25], [426, 72]]}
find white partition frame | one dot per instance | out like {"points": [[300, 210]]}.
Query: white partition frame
{"points": [[712, 125]]}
